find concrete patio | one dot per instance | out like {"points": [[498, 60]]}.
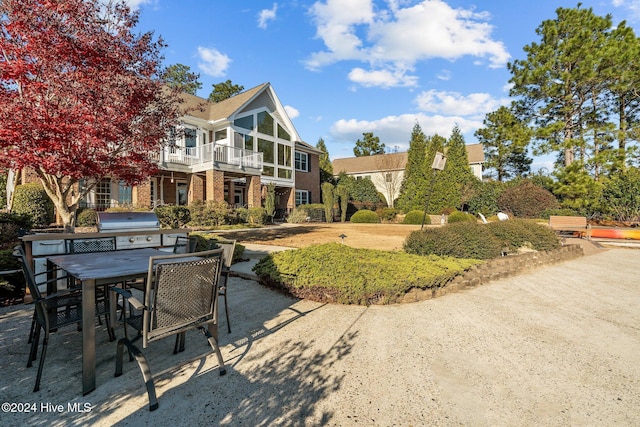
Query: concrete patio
{"points": [[556, 346]]}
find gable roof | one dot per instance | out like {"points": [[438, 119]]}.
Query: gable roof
{"points": [[392, 161], [205, 110]]}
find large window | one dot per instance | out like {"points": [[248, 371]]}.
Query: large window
{"points": [[284, 155], [265, 123], [303, 197], [219, 135], [244, 122], [283, 134], [302, 161], [266, 147]]}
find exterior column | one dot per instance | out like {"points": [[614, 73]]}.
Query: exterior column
{"points": [[254, 192], [215, 185], [291, 201], [231, 193], [141, 194], [196, 188]]}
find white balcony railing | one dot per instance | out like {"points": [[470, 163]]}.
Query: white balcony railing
{"points": [[208, 153]]}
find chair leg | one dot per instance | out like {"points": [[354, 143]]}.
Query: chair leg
{"points": [[33, 328], [34, 347], [226, 306], [43, 354], [144, 367], [214, 345]]}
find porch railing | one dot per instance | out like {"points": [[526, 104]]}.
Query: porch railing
{"points": [[203, 154]]}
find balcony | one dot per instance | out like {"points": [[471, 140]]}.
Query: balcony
{"points": [[210, 156]]}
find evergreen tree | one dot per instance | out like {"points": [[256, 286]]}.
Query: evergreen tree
{"points": [[414, 183], [328, 199], [369, 145], [224, 90], [326, 168], [505, 140], [179, 76]]}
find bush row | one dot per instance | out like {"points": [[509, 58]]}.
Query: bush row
{"points": [[468, 239], [339, 273]]}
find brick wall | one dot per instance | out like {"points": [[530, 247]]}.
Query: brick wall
{"points": [[310, 181]]}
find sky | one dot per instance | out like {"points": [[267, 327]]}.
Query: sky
{"points": [[345, 67]]}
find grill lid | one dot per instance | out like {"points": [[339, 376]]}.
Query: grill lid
{"points": [[127, 221]]}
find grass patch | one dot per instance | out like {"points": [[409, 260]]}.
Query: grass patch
{"points": [[339, 273]]}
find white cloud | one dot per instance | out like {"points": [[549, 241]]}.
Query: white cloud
{"points": [[213, 62], [396, 130], [442, 102], [381, 78], [397, 38], [291, 112], [267, 15], [135, 4], [632, 7], [444, 75]]}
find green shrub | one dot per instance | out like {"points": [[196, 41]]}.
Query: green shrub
{"points": [[257, 216], [173, 216], [87, 218], [365, 216], [207, 241], [298, 216], [457, 216], [315, 211], [517, 233], [208, 214], [32, 200], [460, 240], [12, 286], [339, 273], [526, 200], [387, 214], [415, 217]]}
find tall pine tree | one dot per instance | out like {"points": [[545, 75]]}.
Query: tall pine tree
{"points": [[414, 183]]}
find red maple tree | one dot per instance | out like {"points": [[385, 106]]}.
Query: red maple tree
{"points": [[80, 96]]}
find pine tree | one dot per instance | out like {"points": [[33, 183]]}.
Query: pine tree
{"points": [[326, 168]]}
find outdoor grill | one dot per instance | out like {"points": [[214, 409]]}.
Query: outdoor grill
{"points": [[127, 221]]}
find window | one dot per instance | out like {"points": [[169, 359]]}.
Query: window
{"points": [[265, 123], [124, 193], [190, 137], [283, 134], [243, 141], [303, 197], [221, 134], [268, 171], [302, 161], [103, 194], [181, 193], [266, 147], [244, 122], [284, 155], [284, 173]]}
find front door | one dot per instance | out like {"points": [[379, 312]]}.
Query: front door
{"points": [[181, 193]]}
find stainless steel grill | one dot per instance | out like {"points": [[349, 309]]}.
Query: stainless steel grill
{"points": [[127, 221]]}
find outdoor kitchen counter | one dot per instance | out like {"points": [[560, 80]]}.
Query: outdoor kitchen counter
{"points": [[62, 236]]}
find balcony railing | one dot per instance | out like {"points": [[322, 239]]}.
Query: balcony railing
{"points": [[208, 153]]}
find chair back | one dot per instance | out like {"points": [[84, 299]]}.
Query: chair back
{"points": [[228, 246], [100, 244], [29, 277], [181, 293], [185, 245]]}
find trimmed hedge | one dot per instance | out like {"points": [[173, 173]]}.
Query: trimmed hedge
{"points": [[334, 272], [415, 217], [87, 218], [207, 241], [365, 216], [173, 216], [32, 200], [457, 216], [481, 241], [460, 240]]}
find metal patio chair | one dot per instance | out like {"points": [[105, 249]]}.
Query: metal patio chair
{"points": [[228, 246], [51, 312], [185, 245], [181, 295]]}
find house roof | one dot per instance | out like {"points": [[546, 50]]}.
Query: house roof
{"points": [[392, 161], [203, 109], [376, 163], [308, 147]]}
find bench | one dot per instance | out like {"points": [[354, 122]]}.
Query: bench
{"points": [[570, 224]]}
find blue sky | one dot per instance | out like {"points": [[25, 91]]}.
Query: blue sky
{"points": [[344, 67]]}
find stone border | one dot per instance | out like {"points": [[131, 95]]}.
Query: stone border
{"points": [[496, 269]]}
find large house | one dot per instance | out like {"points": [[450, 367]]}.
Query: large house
{"points": [[386, 171], [226, 151]]}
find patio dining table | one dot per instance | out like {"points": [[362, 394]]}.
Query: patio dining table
{"points": [[102, 268]]}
